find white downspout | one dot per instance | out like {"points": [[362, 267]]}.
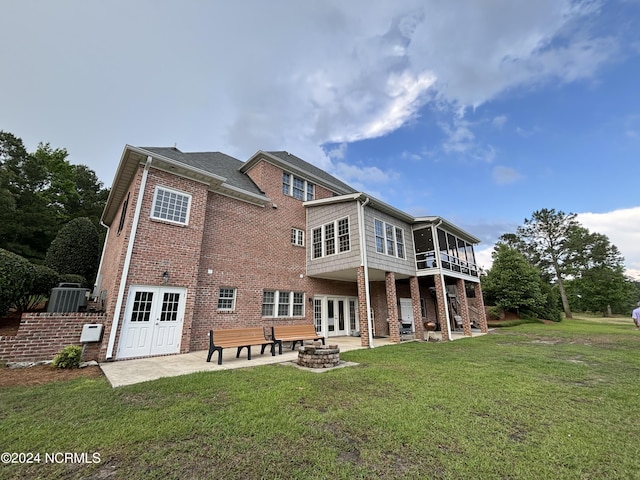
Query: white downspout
{"points": [[364, 263], [127, 262], [444, 286], [98, 282]]}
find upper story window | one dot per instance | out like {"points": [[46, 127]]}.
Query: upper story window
{"points": [[123, 215], [297, 187], [331, 238], [171, 205], [389, 239]]}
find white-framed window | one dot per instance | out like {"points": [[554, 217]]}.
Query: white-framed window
{"points": [[389, 239], [297, 187], [276, 303], [171, 205], [326, 242], [227, 299], [297, 237]]}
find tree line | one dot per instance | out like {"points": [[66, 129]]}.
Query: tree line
{"points": [[49, 222], [40, 192], [553, 265]]}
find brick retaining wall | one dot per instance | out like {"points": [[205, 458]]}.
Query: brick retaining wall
{"points": [[42, 335]]}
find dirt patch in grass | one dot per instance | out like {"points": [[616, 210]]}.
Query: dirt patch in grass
{"points": [[42, 374]]}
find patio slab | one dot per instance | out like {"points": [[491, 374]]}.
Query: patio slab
{"points": [[129, 372]]}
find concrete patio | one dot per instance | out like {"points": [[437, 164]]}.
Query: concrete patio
{"points": [[129, 372]]}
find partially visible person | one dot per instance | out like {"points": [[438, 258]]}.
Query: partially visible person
{"points": [[636, 316]]}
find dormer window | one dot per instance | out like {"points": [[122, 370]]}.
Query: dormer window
{"points": [[297, 187]]}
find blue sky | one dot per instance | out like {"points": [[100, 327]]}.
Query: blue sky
{"points": [[481, 111]]}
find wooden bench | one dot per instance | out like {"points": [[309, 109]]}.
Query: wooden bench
{"points": [[240, 338], [293, 334]]}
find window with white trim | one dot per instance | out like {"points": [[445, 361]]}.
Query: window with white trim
{"points": [[326, 242], [389, 239], [227, 299], [170, 205], [297, 187], [297, 237], [277, 303]]}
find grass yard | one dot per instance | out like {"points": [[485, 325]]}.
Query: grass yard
{"points": [[535, 401]]}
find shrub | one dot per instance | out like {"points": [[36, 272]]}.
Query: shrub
{"points": [[495, 313], [44, 279], [16, 279], [76, 249], [69, 357]]}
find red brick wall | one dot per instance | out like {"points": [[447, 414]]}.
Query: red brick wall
{"points": [[42, 335], [114, 256], [166, 247], [248, 247]]}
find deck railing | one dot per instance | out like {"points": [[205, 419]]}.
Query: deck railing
{"points": [[429, 260]]}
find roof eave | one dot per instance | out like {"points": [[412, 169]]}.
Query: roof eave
{"points": [[448, 226]]}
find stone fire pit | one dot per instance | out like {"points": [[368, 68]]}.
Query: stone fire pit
{"points": [[319, 356]]}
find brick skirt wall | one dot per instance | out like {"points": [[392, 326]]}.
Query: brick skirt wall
{"points": [[42, 335]]}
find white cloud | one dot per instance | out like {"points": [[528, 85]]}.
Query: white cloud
{"points": [[621, 226], [483, 258], [504, 175], [499, 121], [623, 229], [256, 75]]}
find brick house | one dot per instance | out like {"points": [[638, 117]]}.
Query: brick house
{"points": [[202, 240]]}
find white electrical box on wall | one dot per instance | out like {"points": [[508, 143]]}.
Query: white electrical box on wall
{"points": [[91, 332]]}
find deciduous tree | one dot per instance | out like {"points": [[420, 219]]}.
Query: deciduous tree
{"points": [[39, 193]]}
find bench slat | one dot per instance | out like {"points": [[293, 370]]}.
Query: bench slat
{"points": [[294, 334], [240, 338]]}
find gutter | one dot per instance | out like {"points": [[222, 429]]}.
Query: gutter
{"points": [[98, 282], [364, 263], [127, 262]]}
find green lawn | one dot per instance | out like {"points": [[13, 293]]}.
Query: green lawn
{"points": [[535, 401]]}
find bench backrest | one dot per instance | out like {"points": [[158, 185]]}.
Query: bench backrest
{"points": [[294, 330], [235, 334]]}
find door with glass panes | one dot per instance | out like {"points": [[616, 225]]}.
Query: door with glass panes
{"points": [[153, 321], [334, 317]]}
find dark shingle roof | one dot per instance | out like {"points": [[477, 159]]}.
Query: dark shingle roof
{"points": [[307, 167], [216, 163]]}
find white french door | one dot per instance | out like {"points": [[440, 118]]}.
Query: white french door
{"points": [[335, 316], [153, 321]]}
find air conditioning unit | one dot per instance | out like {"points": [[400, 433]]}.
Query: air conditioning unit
{"points": [[67, 299]]}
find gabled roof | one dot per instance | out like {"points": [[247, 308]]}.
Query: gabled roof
{"points": [[219, 171], [296, 165], [216, 163]]}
